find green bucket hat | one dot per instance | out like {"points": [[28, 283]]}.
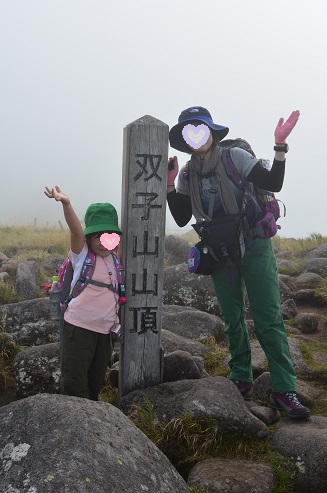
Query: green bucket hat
{"points": [[101, 217]]}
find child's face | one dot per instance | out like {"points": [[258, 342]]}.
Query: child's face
{"points": [[97, 247]]}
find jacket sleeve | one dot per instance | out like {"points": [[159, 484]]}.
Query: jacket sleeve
{"points": [[180, 207], [271, 180]]}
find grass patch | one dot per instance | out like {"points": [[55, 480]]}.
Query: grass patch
{"points": [[321, 290], [8, 351], [198, 489], [319, 406], [213, 359], [186, 440], [293, 270], [109, 394], [21, 242], [300, 247], [8, 294], [307, 348]]}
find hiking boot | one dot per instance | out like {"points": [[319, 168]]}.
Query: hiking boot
{"points": [[289, 402], [246, 389]]}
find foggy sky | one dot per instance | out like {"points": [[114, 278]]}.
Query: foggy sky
{"points": [[75, 73]]}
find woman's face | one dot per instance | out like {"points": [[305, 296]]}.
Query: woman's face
{"points": [[205, 147]]}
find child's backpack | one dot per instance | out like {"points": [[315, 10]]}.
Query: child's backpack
{"points": [[266, 202], [65, 277]]}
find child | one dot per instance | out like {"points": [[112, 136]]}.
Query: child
{"points": [[86, 345]]}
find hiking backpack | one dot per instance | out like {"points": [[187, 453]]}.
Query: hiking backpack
{"points": [[265, 201], [65, 277], [221, 238]]}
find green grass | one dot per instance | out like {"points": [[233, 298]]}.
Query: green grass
{"points": [[321, 290], [8, 351], [186, 440], [21, 242], [307, 348], [198, 489], [300, 247], [109, 394], [8, 294], [292, 270], [213, 359]]}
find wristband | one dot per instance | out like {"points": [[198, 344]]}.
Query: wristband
{"points": [[281, 148]]}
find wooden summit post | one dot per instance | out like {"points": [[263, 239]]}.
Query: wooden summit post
{"points": [[144, 191]]}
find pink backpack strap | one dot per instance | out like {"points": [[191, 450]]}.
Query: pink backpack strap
{"points": [[121, 279]]}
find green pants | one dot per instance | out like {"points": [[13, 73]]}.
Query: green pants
{"points": [[258, 273], [84, 358]]}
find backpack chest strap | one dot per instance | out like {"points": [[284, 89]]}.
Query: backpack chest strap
{"points": [[101, 285]]}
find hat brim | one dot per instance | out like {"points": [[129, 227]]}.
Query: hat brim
{"points": [[101, 228], [176, 138]]}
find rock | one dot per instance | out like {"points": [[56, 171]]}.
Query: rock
{"points": [[4, 277], [180, 365], [300, 366], [317, 266], [9, 266], [262, 386], [191, 323], [172, 342], [288, 280], [289, 309], [186, 289], [51, 265], [214, 397], [27, 279], [29, 322], [3, 257], [285, 292], [266, 414], [37, 370], [307, 393], [176, 250], [287, 254], [57, 443], [306, 443], [232, 476], [307, 322], [306, 296], [319, 252], [307, 280], [285, 264]]}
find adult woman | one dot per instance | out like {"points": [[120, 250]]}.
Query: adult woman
{"points": [[257, 268]]}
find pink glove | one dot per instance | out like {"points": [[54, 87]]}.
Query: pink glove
{"points": [[172, 171], [283, 130]]}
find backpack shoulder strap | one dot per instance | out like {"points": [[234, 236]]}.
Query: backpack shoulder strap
{"points": [[86, 274], [120, 272], [231, 170], [234, 175]]}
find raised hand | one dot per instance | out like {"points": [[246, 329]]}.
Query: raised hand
{"points": [[57, 194], [283, 130], [172, 171]]}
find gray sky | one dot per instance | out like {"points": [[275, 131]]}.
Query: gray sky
{"points": [[74, 73]]}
